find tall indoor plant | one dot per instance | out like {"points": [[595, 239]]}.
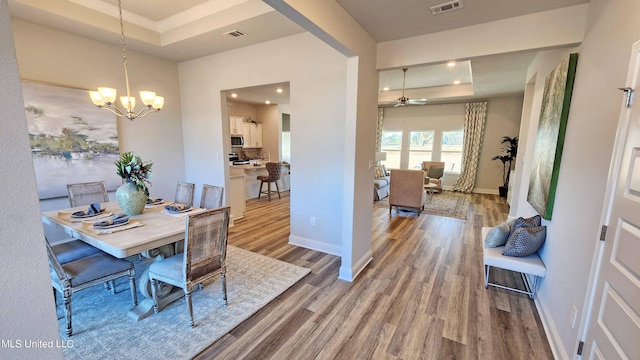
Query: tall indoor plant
{"points": [[509, 152], [132, 195]]}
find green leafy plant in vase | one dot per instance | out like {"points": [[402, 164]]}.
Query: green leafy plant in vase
{"points": [[509, 153], [132, 195]]}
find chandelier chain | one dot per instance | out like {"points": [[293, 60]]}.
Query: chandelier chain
{"points": [[124, 50]]}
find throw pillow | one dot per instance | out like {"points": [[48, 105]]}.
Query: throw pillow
{"points": [[384, 170], [377, 172], [524, 223], [498, 235], [525, 241], [436, 172]]}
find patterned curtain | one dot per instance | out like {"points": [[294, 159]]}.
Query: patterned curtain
{"points": [[379, 129], [474, 120]]}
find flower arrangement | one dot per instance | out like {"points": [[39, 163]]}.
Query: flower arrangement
{"points": [[132, 169]]}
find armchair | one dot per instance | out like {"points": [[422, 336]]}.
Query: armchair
{"points": [[407, 189], [380, 183], [435, 171]]}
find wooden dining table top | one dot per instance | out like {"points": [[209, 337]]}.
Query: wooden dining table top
{"points": [[155, 227]]}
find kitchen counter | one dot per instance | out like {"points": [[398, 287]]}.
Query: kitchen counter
{"points": [[252, 184]]}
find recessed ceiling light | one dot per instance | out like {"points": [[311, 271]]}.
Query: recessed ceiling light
{"points": [[279, 91], [457, 82], [386, 88], [267, 102], [451, 64], [234, 95]]}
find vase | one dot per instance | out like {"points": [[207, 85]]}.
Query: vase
{"points": [[130, 199]]}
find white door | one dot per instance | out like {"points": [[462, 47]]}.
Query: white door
{"points": [[613, 330]]}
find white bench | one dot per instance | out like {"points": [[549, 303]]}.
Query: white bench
{"points": [[527, 265]]}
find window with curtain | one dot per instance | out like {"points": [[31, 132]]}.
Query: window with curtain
{"points": [[391, 143], [451, 152], [420, 148]]}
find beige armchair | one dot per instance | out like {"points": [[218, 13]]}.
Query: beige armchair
{"points": [[438, 172], [406, 189]]}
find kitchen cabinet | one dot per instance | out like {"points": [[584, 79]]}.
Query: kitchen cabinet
{"points": [[252, 135], [235, 125]]}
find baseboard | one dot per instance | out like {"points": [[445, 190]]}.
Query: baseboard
{"points": [[550, 330], [315, 245], [486, 191], [350, 274]]}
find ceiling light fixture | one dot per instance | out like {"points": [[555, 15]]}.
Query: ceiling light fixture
{"points": [[279, 91], [386, 88], [105, 97], [234, 95], [451, 64], [267, 102], [457, 82]]}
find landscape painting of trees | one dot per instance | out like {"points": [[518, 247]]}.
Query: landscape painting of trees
{"points": [[71, 140]]}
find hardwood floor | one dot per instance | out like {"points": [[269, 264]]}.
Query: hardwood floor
{"points": [[422, 296]]}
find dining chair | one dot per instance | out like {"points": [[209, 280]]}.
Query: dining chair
{"points": [[87, 193], [204, 257], [274, 169], [185, 192], [80, 194], [87, 272], [211, 196]]}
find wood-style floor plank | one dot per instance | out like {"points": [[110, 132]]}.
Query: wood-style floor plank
{"points": [[422, 296]]}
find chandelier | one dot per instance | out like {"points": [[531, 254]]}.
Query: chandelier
{"points": [[105, 97]]}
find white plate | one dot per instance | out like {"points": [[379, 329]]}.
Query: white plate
{"points": [[87, 215], [111, 226]]}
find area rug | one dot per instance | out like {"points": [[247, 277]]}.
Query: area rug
{"points": [[102, 329], [447, 203]]}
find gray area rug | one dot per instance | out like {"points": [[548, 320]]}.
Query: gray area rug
{"points": [[102, 329], [447, 203]]}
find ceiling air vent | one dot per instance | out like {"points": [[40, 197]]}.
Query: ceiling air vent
{"points": [[446, 7], [235, 33]]}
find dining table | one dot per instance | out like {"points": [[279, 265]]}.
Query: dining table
{"points": [[155, 233]]}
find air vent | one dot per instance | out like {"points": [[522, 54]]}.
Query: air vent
{"points": [[446, 7], [235, 33]]}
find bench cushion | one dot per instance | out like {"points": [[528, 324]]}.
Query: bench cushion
{"points": [[531, 264]]}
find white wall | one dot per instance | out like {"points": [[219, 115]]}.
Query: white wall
{"points": [[572, 233], [50, 56], [24, 272], [503, 119], [317, 78]]}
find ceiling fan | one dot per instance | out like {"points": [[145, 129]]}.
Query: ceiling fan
{"points": [[403, 100]]}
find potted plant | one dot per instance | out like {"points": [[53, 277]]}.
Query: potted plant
{"points": [[132, 195], [509, 152]]}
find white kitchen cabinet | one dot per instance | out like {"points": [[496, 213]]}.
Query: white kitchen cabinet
{"points": [[237, 196], [235, 125], [252, 135]]}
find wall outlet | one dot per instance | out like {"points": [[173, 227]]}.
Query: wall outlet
{"points": [[574, 316], [312, 221]]}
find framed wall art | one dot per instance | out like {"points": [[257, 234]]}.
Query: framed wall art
{"points": [[71, 140], [552, 126]]}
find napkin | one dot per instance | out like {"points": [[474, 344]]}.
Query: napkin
{"points": [[115, 220], [177, 207], [94, 209], [151, 201]]}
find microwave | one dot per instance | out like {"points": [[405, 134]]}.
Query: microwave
{"points": [[237, 141]]}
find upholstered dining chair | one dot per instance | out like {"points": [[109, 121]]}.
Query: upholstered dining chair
{"points": [[80, 194], [211, 196], [204, 256], [274, 169], [185, 192], [87, 193], [87, 272]]}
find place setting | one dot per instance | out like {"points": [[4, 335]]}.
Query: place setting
{"points": [[111, 224], [93, 212], [152, 203]]}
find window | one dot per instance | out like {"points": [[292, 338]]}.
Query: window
{"points": [[391, 143], [420, 148], [452, 150]]}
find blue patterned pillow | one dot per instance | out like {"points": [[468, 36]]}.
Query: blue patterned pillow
{"points": [[524, 223], [498, 235], [525, 241]]}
